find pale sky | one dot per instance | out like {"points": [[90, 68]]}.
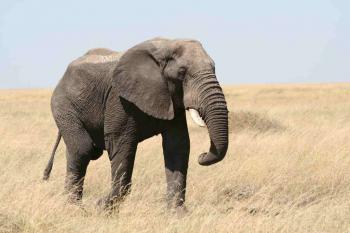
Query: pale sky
{"points": [[253, 41]]}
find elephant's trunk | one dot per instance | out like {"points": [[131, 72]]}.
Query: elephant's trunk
{"points": [[213, 110]]}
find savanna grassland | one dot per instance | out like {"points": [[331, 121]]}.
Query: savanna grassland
{"points": [[287, 169]]}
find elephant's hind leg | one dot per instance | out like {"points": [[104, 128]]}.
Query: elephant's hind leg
{"points": [[76, 170], [80, 149]]}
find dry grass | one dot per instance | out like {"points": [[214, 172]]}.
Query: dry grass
{"points": [[287, 169], [247, 120]]}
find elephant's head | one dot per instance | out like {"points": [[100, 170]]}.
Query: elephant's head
{"points": [[162, 77]]}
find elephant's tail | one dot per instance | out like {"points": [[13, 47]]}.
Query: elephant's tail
{"points": [[49, 165]]}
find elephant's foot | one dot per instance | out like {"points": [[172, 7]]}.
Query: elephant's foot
{"points": [[103, 203], [175, 199], [181, 211], [74, 194], [178, 211], [109, 204], [176, 205], [74, 188], [74, 197]]}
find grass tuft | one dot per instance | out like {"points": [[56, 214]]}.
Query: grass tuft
{"points": [[252, 121]]}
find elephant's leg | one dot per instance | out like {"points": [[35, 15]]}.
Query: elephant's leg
{"points": [[80, 148], [76, 170], [176, 148], [121, 149]]}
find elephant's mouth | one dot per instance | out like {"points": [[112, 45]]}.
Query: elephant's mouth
{"points": [[196, 117]]}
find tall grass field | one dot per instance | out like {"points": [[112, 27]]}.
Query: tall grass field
{"points": [[287, 169]]}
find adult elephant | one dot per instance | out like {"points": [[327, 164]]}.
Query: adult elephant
{"points": [[112, 101]]}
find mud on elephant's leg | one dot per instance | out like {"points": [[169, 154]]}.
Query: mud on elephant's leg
{"points": [[121, 151], [176, 148]]}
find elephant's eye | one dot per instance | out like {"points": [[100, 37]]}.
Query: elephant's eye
{"points": [[182, 71]]}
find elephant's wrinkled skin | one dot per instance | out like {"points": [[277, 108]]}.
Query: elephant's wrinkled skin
{"points": [[112, 101]]}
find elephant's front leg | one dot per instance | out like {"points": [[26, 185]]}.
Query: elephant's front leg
{"points": [[176, 148], [121, 151]]}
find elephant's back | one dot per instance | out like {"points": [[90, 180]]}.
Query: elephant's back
{"points": [[88, 77], [86, 84], [100, 51], [98, 56]]}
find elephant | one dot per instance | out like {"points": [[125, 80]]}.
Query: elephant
{"points": [[111, 101]]}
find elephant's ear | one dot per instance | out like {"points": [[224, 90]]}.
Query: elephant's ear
{"points": [[138, 78]]}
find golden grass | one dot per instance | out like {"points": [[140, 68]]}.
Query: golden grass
{"points": [[287, 169]]}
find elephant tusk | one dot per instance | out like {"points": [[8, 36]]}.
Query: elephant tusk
{"points": [[196, 117]]}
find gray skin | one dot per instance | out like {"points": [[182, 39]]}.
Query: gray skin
{"points": [[112, 101]]}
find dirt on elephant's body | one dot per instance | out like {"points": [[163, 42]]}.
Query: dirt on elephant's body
{"points": [[287, 169]]}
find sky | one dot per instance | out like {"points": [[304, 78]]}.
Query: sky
{"points": [[252, 41]]}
